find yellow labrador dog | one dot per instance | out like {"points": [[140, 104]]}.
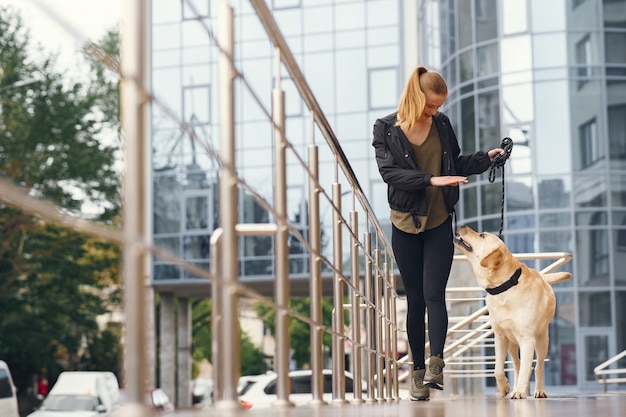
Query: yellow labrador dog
{"points": [[521, 305]]}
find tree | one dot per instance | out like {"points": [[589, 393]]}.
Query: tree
{"points": [[54, 281]]}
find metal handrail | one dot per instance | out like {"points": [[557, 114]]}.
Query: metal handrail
{"points": [[601, 372]]}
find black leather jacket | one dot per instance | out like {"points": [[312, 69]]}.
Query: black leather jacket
{"points": [[397, 165]]}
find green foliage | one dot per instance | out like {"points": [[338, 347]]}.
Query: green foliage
{"points": [[251, 356], [53, 280], [299, 331]]}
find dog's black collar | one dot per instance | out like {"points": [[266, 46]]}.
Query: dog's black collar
{"points": [[508, 284]]}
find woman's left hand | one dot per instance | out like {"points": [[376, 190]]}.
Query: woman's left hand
{"points": [[492, 153]]}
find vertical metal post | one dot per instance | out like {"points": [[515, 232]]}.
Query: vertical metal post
{"points": [[229, 360], [281, 247], [216, 315], [315, 240], [394, 334], [370, 315], [339, 381], [380, 359], [356, 307], [135, 122], [389, 361]]}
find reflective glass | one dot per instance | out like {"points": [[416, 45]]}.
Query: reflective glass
{"points": [[550, 50], [470, 202], [521, 161], [489, 120], [166, 36], [465, 24], [196, 213], [197, 247], [562, 349], [166, 205], [317, 19], [514, 16], [382, 12], [619, 250], [615, 48], [590, 315], [169, 244], [520, 221], [620, 320], [468, 125], [517, 103], [466, 61], [583, 14], [165, 271], [350, 93], [521, 243], [614, 12], [555, 192], [552, 145], [200, 8], [487, 60], [519, 194], [166, 11], [383, 83], [618, 190], [548, 16], [515, 54], [486, 19], [590, 190], [350, 16], [557, 219], [616, 92], [592, 256]]}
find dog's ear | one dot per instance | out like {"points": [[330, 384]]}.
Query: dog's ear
{"points": [[493, 260]]}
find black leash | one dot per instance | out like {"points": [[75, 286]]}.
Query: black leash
{"points": [[498, 162]]}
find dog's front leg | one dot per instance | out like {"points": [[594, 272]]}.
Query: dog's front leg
{"points": [[502, 346], [522, 384]]}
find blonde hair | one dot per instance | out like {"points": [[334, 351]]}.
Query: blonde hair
{"points": [[413, 99]]}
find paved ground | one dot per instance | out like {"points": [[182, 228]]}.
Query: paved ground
{"points": [[559, 405]]}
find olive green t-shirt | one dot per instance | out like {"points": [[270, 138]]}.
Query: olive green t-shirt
{"points": [[428, 156]]}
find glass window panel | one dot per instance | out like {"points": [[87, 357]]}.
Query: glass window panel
{"points": [[562, 349], [170, 244], [383, 87], [554, 219], [592, 257], [166, 271], [596, 351], [197, 102], [382, 36], [382, 12], [519, 194], [197, 213], [517, 103], [166, 36], [590, 191], [620, 323], [487, 60], [206, 266], [283, 4], [583, 14], [548, 16], [521, 161], [200, 8], [468, 125], [470, 202], [486, 20], [595, 309], [614, 12], [557, 241], [491, 198], [550, 50], [515, 54], [520, 242], [591, 218], [350, 94], [520, 221], [619, 258], [552, 146], [618, 190], [615, 47], [617, 135], [465, 24], [555, 193], [350, 16], [197, 247], [167, 83], [317, 19], [290, 23], [514, 16], [467, 66], [165, 11], [167, 210], [489, 120]]}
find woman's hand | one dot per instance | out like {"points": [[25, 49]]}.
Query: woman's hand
{"points": [[445, 180], [492, 153]]}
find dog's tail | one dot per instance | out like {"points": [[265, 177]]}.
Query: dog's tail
{"points": [[555, 277]]}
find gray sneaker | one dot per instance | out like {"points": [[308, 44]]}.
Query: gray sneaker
{"points": [[434, 373], [419, 391]]}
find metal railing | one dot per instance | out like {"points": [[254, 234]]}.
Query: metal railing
{"points": [[605, 375]]}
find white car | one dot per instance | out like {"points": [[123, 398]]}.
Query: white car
{"points": [[262, 392]]}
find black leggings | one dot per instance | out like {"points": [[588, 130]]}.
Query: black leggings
{"points": [[424, 261]]}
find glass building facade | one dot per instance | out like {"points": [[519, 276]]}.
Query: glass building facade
{"points": [[549, 74], [552, 76]]}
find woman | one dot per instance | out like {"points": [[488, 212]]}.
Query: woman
{"points": [[419, 158]]}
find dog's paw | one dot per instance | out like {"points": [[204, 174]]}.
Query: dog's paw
{"points": [[541, 394], [518, 395], [503, 389]]}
